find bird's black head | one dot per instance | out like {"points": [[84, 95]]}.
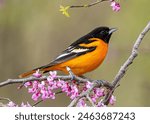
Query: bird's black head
{"points": [[103, 33]]}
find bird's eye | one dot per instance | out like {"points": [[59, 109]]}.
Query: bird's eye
{"points": [[103, 32]]}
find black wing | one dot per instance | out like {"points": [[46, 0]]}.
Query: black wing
{"points": [[72, 51], [68, 54]]}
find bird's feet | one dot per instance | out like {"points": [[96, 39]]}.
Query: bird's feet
{"points": [[70, 73]]}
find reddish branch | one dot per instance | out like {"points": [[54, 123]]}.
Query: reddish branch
{"points": [[88, 5]]}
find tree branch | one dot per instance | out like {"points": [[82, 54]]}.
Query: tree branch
{"points": [[127, 63], [64, 77], [88, 5], [5, 99]]}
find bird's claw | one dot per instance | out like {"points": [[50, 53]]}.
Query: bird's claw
{"points": [[70, 73], [100, 82]]}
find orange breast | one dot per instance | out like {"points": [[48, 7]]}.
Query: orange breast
{"points": [[86, 62]]}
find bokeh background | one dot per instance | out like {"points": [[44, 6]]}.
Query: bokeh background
{"points": [[32, 32]]}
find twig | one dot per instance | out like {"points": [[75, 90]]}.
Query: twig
{"points": [[88, 5], [4, 98], [128, 62], [64, 77], [22, 80], [35, 104], [90, 100]]}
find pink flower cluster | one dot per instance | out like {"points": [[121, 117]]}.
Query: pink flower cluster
{"points": [[12, 104], [82, 103], [115, 5], [96, 97], [46, 90]]}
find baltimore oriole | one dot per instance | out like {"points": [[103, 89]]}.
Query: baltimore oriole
{"points": [[84, 55]]}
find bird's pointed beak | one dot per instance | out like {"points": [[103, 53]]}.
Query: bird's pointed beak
{"points": [[112, 30]]}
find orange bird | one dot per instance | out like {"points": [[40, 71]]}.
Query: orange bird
{"points": [[82, 56]]}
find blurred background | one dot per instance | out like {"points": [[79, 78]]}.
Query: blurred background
{"points": [[33, 32]]}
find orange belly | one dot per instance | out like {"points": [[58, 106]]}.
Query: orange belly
{"points": [[87, 62]]}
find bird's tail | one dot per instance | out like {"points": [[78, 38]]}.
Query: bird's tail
{"points": [[27, 74], [43, 69]]}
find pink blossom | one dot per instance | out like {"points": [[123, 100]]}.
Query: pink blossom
{"points": [[99, 92], [54, 86], [115, 6], [45, 94], [52, 83], [52, 95], [100, 104], [43, 89], [112, 100], [25, 105], [68, 90], [50, 80], [65, 87], [34, 87], [94, 97], [60, 83], [37, 74], [74, 89], [35, 84], [27, 84], [74, 92], [31, 90], [88, 85], [35, 96], [11, 104], [84, 88], [81, 103], [53, 74], [71, 90], [41, 85]]}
